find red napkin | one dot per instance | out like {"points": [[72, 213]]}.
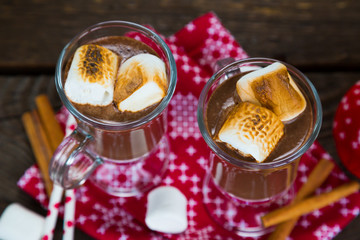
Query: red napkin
{"points": [[196, 48]]}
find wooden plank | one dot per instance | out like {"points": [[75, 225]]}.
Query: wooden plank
{"points": [[311, 34], [17, 93]]}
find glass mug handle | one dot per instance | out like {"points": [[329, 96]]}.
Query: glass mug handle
{"points": [[72, 162]]}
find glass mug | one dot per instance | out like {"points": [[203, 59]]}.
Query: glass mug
{"points": [[246, 190], [122, 158]]}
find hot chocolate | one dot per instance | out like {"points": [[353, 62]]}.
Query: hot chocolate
{"points": [[124, 48], [225, 98], [246, 183], [115, 73], [105, 72]]}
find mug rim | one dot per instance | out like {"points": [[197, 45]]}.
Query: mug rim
{"points": [[113, 125], [215, 149]]}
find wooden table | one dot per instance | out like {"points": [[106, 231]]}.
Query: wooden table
{"points": [[321, 38]]}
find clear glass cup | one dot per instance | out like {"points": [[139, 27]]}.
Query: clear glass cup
{"points": [[122, 158], [237, 192]]}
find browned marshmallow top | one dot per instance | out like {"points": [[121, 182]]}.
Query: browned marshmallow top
{"points": [[273, 88], [96, 62], [91, 76], [252, 130]]}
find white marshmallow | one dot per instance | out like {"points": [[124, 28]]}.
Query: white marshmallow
{"points": [[141, 82], [92, 75], [166, 210], [18, 223]]}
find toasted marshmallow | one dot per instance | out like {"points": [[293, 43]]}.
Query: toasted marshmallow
{"points": [[272, 87], [92, 75], [141, 82], [252, 130]]}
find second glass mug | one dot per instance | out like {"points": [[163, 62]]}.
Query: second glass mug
{"points": [[122, 158], [245, 190]]}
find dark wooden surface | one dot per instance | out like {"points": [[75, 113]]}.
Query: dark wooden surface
{"points": [[320, 37]]}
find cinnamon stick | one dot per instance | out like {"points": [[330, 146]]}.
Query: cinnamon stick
{"points": [[40, 145], [51, 125], [309, 204], [317, 176]]}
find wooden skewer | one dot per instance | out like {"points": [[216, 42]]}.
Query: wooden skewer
{"points": [[309, 204], [39, 143], [317, 176]]}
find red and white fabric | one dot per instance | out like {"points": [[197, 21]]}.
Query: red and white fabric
{"points": [[196, 48], [347, 130]]}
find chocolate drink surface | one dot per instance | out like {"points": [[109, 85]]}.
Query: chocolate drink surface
{"points": [[124, 48], [256, 185]]}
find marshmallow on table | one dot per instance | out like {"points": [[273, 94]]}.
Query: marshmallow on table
{"points": [[252, 130], [19, 223], [166, 210], [92, 75], [141, 82], [272, 87]]}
